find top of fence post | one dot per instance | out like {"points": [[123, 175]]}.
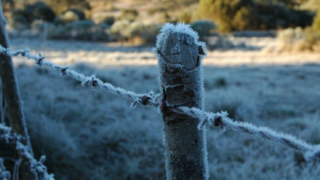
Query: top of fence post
{"points": [[179, 58]]}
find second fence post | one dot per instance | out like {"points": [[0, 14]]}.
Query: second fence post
{"points": [[179, 58]]}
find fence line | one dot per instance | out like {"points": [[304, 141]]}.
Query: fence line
{"points": [[220, 120], [36, 166]]}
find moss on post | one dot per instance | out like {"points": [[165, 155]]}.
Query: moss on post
{"points": [[179, 56]]}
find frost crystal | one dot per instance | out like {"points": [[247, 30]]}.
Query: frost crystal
{"points": [[179, 28]]}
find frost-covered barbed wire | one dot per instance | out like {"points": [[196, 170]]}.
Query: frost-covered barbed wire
{"points": [[36, 166], [93, 81], [220, 120], [4, 174]]}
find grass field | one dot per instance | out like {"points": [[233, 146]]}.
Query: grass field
{"points": [[91, 134]]}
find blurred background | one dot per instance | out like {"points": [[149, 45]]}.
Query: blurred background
{"points": [[295, 23], [262, 66]]}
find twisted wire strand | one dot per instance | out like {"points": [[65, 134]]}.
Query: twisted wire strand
{"points": [[220, 120], [94, 82], [36, 166]]}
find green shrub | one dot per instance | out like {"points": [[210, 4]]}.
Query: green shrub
{"points": [[312, 5], [60, 6], [150, 32], [39, 10], [185, 17], [316, 21], [20, 22], [134, 32], [31, 12], [39, 25], [71, 15], [291, 34], [243, 19], [126, 30], [78, 30], [108, 20], [154, 10], [18, 19], [129, 14], [80, 13], [118, 28], [164, 18], [298, 39], [312, 39], [235, 15], [204, 28]]}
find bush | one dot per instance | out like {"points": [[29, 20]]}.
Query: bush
{"points": [[150, 32], [19, 20], [154, 10], [117, 29], [135, 32], [164, 18], [204, 28], [312, 39], [243, 19], [291, 34], [78, 30], [185, 17], [298, 39], [39, 25], [316, 21], [60, 6], [129, 14], [108, 20], [235, 15], [39, 10], [70, 15], [126, 30]]}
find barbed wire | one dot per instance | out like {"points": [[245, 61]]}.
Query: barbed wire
{"points": [[36, 166], [220, 120], [93, 81], [223, 122]]}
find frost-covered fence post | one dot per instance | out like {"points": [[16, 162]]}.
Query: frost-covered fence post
{"points": [[179, 58], [11, 97]]}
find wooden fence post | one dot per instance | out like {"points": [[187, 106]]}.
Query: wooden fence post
{"points": [[12, 100], [179, 58]]}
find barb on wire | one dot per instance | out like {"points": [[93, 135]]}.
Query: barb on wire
{"points": [[36, 166], [94, 82], [220, 120]]}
